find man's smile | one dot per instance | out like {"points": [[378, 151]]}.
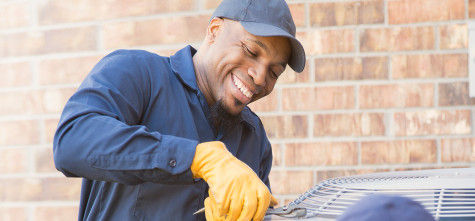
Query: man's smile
{"points": [[245, 93]]}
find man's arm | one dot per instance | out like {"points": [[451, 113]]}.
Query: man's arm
{"points": [[98, 136]]}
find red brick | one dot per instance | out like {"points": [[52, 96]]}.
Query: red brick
{"points": [[15, 15], [20, 102], [60, 188], [432, 122], [51, 41], [396, 95], [39, 189], [35, 101], [44, 160], [429, 66], [291, 182], [458, 150], [14, 160], [398, 152], [298, 14], [266, 104], [19, 189], [285, 126], [16, 74], [321, 154], [364, 124], [455, 94], [471, 8], [57, 213], [397, 39], [66, 71], [50, 128], [453, 36], [327, 69], [290, 76], [13, 214], [54, 99], [418, 168], [327, 41], [58, 11], [24, 132], [411, 11], [165, 52], [211, 4], [156, 31], [329, 174], [305, 99], [276, 154], [346, 13]]}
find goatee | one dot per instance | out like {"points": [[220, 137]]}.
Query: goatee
{"points": [[221, 119]]}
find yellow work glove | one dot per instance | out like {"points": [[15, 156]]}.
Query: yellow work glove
{"points": [[235, 191]]}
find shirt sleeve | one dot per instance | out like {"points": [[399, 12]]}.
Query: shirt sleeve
{"points": [[99, 136], [266, 160]]}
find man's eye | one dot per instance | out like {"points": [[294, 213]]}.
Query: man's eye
{"points": [[250, 52]]}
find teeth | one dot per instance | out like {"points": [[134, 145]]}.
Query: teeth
{"points": [[242, 88]]}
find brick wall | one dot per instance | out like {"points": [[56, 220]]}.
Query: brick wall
{"points": [[385, 88]]}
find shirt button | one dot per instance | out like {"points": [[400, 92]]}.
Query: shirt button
{"points": [[172, 163]]}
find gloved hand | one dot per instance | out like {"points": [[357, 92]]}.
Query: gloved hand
{"points": [[235, 191]]}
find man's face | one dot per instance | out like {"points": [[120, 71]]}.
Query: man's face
{"points": [[243, 68]]}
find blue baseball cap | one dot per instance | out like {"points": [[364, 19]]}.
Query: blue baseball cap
{"points": [[378, 207], [265, 18]]}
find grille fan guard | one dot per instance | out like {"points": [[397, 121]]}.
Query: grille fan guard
{"points": [[445, 193]]}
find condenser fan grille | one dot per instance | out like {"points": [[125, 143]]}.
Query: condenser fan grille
{"points": [[447, 193]]}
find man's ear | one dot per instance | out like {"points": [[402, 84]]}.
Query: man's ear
{"points": [[213, 30]]}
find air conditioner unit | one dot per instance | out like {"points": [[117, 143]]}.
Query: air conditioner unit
{"points": [[448, 194]]}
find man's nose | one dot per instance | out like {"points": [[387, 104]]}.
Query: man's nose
{"points": [[258, 76]]}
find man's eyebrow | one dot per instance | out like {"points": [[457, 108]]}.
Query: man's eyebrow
{"points": [[260, 44]]}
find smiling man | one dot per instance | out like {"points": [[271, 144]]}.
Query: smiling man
{"points": [[159, 138]]}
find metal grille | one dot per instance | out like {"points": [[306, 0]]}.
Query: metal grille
{"points": [[446, 193]]}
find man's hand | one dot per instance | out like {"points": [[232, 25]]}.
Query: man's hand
{"points": [[235, 191]]}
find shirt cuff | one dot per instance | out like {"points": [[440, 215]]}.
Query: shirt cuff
{"points": [[173, 155]]}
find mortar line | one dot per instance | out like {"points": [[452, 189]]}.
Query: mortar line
{"points": [[351, 139], [438, 151], [33, 204], [436, 93], [30, 212], [466, 4], [358, 153], [311, 125], [473, 120], [138, 18], [437, 37], [176, 46], [372, 166], [96, 52], [362, 111], [386, 12], [68, 25]]}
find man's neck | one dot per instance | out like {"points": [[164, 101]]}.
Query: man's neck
{"points": [[200, 73]]}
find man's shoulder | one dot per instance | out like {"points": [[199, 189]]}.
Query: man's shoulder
{"points": [[135, 55]]}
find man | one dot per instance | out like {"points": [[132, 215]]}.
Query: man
{"points": [[153, 136]]}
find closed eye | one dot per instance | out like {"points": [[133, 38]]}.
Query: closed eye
{"points": [[248, 51]]}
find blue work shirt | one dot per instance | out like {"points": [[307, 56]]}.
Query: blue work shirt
{"points": [[131, 130]]}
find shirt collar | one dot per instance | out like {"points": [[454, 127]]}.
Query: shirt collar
{"points": [[182, 65]]}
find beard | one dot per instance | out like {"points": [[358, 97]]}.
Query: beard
{"points": [[221, 118]]}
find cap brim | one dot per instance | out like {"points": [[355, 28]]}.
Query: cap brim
{"points": [[297, 58]]}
